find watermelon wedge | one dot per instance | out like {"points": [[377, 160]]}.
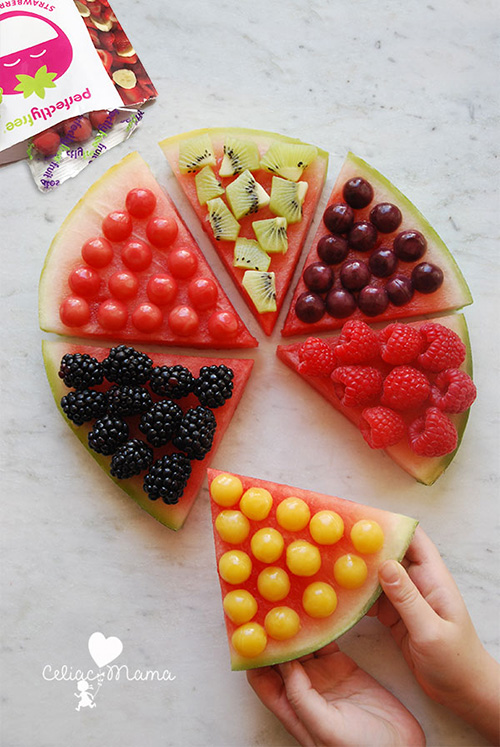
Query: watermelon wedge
{"points": [[124, 266], [374, 257], [174, 515], [207, 163], [297, 569], [425, 469]]}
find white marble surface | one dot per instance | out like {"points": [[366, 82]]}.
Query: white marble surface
{"points": [[411, 87]]}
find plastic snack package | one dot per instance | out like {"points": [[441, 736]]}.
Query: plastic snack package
{"points": [[71, 85]]}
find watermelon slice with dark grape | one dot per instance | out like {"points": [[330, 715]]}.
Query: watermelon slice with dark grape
{"points": [[117, 405], [374, 257], [297, 569], [255, 194], [124, 266], [407, 386]]}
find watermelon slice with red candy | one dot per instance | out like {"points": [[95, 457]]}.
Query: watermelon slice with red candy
{"points": [[296, 568], [124, 266]]}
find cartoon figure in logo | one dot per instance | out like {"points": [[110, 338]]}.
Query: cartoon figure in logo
{"points": [[86, 698], [35, 52]]}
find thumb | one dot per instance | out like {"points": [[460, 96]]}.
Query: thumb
{"points": [[307, 703], [398, 587]]}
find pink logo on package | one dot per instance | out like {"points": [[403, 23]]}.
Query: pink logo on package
{"points": [[44, 56]]}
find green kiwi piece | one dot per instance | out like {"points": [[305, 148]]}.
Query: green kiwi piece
{"points": [[271, 234], [245, 195], [287, 198], [224, 225], [248, 254], [195, 153], [238, 156], [261, 287], [288, 159], [207, 185]]}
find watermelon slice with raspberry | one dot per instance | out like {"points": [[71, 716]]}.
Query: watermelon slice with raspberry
{"points": [[407, 387], [374, 257], [173, 514], [124, 266], [297, 569], [255, 194]]}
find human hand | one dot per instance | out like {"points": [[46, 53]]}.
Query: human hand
{"points": [[326, 699], [429, 621]]}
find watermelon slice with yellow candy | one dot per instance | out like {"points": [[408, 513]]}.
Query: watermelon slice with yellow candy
{"points": [[297, 568]]}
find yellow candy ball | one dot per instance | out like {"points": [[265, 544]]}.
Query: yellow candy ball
{"points": [[256, 503], [273, 583], [282, 623], [319, 599], [267, 544], [302, 558], [367, 536], [232, 526], [326, 527], [350, 571], [226, 489], [235, 566], [240, 606], [249, 639], [293, 514]]}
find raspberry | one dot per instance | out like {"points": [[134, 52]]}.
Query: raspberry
{"points": [[381, 427], [400, 343], [357, 343], [405, 387], [453, 391], [316, 357], [356, 385], [443, 348], [432, 434]]}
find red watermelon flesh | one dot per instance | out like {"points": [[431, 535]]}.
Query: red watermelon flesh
{"points": [[283, 265], [452, 294], [172, 516], [352, 603], [424, 469], [138, 288]]}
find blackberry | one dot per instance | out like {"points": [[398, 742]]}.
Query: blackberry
{"points": [[128, 400], [214, 385], [167, 478], [196, 431], [80, 371], [160, 422], [107, 435], [131, 458], [125, 365], [84, 405], [174, 382]]}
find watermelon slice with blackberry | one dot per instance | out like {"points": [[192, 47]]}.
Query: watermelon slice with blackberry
{"points": [[255, 194]]}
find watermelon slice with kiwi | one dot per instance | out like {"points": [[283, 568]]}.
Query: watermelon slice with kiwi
{"points": [[374, 257], [124, 266], [173, 514], [407, 386], [297, 569], [255, 194]]}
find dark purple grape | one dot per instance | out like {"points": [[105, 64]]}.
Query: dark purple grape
{"points": [[373, 301], [399, 289], [309, 307], [357, 192], [427, 278], [332, 249], [409, 245], [318, 277], [382, 262], [354, 274], [340, 303], [386, 217], [363, 236], [338, 218]]}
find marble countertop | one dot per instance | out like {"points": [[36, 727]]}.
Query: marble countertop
{"points": [[412, 88]]}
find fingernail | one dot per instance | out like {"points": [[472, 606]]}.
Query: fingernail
{"points": [[389, 572]]}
